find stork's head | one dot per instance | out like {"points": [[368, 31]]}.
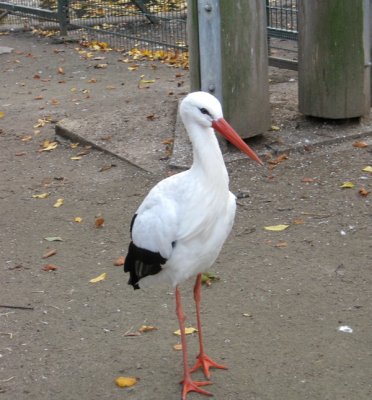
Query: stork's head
{"points": [[205, 110]]}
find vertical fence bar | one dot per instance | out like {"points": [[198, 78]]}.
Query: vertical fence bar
{"points": [[63, 16]]}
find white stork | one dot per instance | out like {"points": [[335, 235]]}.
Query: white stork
{"points": [[180, 227]]}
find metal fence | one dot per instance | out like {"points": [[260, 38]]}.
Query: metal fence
{"points": [[145, 23]]}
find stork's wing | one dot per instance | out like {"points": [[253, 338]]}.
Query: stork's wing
{"points": [[153, 234]]}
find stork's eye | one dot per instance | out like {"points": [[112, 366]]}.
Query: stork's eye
{"points": [[205, 111]]}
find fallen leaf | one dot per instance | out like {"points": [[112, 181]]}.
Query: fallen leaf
{"points": [[48, 146], [147, 328], [177, 347], [2, 114], [281, 244], [58, 203], [101, 66], [107, 167], [40, 196], [54, 239], [99, 278], [92, 80], [99, 222], [75, 158], [78, 219], [26, 138], [61, 71], [74, 145], [133, 68], [308, 180], [208, 277], [20, 153], [298, 221], [278, 159], [49, 267], [188, 331], [276, 228], [125, 381], [275, 128], [360, 144], [40, 97], [347, 185], [119, 262], [368, 168], [363, 192], [49, 253]]}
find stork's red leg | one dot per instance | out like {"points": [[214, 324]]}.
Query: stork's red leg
{"points": [[203, 361], [188, 384]]}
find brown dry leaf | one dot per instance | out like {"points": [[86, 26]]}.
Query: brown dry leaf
{"points": [[147, 328], [119, 261], [308, 180], [360, 144], [363, 192], [99, 222], [298, 221], [177, 347], [49, 267], [54, 102], [106, 167], [49, 253], [281, 244], [74, 145], [92, 80], [168, 141], [26, 138], [278, 159], [152, 117], [61, 71], [125, 381], [40, 97], [20, 153]]}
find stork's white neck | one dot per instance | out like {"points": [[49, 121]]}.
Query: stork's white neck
{"points": [[207, 157]]}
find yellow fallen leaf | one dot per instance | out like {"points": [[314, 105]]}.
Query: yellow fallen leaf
{"points": [[26, 138], [40, 196], [48, 146], [275, 128], [125, 381], [368, 168], [75, 158], [2, 114], [276, 228], [347, 185], [188, 331], [58, 203], [177, 347], [74, 145], [99, 278], [78, 219]]}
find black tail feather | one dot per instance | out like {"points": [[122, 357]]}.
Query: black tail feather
{"points": [[140, 263]]}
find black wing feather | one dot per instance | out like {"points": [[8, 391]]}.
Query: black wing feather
{"points": [[140, 262]]}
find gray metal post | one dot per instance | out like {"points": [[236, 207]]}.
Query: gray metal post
{"points": [[63, 16], [209, 23]]}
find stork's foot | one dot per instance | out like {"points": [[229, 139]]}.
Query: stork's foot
{"points": [[193, 386], [204, 362]]}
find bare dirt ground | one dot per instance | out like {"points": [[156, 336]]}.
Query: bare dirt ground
{"points": [[273, 317]]}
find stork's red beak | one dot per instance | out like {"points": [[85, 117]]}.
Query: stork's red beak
{"points": [[227, 131]]}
